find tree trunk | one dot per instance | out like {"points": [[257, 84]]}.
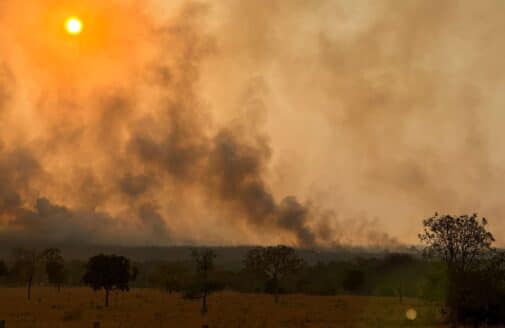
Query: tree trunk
{"points": [[204, 303], [29, 288], [276, 290], [106, 298]]}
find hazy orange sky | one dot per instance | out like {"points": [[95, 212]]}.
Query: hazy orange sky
{"points": [[241, 122]]}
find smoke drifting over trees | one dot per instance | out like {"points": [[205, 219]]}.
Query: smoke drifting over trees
{"points": [[305, 123]]}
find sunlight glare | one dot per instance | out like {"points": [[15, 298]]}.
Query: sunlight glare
{"points": [[73, 25]]}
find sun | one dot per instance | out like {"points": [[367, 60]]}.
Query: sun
{"points": [[73, 25]]}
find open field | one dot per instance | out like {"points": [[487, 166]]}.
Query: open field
{"points": [[80, 307]]}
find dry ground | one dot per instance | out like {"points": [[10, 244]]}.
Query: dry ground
{"points": [[80, 307]]}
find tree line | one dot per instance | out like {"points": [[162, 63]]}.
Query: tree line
{"points": [[458, 269], [113, 272]]}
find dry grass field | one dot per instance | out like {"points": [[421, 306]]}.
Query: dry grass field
{"points": [[80, 307]]}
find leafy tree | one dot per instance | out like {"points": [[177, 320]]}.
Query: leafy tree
{"points": [[108, 272], [273, 263], [204, 264], [25, 266], [459, 240], [55, 266], [474, 286]]}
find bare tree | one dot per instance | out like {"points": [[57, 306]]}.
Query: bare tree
{"points": [[204, 262], [459, 240], [25, 266], [273, 263]]}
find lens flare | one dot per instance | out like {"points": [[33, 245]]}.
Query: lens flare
{"points": [[411, 314], [73, 25]]}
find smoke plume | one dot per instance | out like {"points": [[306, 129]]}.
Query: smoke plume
{"points": [[321, 123]]}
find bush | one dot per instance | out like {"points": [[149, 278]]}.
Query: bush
{"points": [[476, 297]]}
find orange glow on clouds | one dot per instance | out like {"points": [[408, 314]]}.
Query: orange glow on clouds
{"points": [[114, 46]]}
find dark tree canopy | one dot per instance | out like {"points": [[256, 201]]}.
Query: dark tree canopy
{"points": [[204, 261], [273, 263], [459, 240], [475, 293], [108, 272], [52, 255]]}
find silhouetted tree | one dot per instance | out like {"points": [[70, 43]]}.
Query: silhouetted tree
{"points": [[25, 266], [273, 263], [477, 296], [55, 266], [459, 240], [474, 286], [108, 272], [204, 264]]}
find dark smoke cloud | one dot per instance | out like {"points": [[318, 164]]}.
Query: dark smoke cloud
{"points": [[172, 145], [228, 166], [137, 185], [48, 222]]}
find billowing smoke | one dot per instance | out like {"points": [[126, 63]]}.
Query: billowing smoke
{"points": [[309, 123]]}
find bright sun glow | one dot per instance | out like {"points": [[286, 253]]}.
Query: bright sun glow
{"points": [[73, 25]]}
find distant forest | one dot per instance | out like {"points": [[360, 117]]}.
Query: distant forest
{"points": [[326, 272]]}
